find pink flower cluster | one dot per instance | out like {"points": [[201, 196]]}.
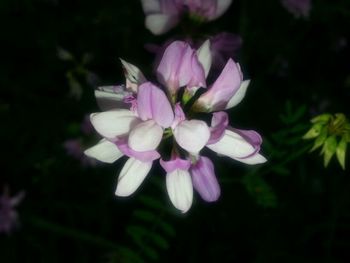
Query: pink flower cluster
{"points": [[142, 115], [163, 15]]}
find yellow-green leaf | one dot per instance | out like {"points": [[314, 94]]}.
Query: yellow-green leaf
{"points": [[341, 152], [323, 118], [329, 149], [314, 131], [320, 139]]}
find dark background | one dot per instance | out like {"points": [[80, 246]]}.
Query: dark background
{"points": [[290, 209]]}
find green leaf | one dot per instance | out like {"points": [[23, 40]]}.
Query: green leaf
{"points": [[154, 203], [341, 152], [279, 169], [144, 215], [329, 149], [125, 254], [314, 132], [323, 118], [138, 234], [260, 190], [64, 55], [320, 139], [151, 217], [340, 120]]}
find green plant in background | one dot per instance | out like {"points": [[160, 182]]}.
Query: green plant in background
{"points": [[78, 70], [282, 147], [332, 133], [150, 231]]}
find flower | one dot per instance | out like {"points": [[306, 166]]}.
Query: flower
{"points": [[163, 15], [178, 182], [226, 92], [159, 112], [8, 214], [75, 147], [135, 133], [299, 8], [224, 46]]}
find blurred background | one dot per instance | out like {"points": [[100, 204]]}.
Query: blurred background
{"points": [[291, 209]]}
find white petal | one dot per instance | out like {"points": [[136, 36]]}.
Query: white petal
{"points": [[133, 75], [180, 190], [105, 151], [239, 95], [255, 159], [146, 136], [222, 6], [160, 23], [109, 95], [150, 6], [204, 56], [131, 176], [232, 145], [192, 135], [113, 123], [109, 100]]}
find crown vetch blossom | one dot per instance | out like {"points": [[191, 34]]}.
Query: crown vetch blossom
{"points": [[299, 8], [146, 114], [8, 214], [163, 15]]}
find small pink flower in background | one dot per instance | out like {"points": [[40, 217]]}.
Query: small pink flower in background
{"points": [[163, 15], [75, 147], [86, 126], [157, 112], [8, 214], [224, 46], [299, 8]]}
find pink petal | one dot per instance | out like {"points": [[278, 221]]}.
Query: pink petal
{"points": [[152, 103], [180, 67], [177, 163], [226, 85], [251, 137], [145, 156], [179, 115], [219, 123], [204, 179]]}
